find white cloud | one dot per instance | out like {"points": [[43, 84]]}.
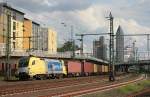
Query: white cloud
{"points": [[133, 16], [132, 27]]}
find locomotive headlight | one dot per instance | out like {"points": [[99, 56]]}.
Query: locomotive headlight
{"points": [[17, 73]]}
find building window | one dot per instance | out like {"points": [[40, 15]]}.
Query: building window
{"points": [[14, 15], [14, 25], [14, 45], [14, 35], [33, 62], [17, 25]]}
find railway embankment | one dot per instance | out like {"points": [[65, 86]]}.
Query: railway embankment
{"points": [[137, 89]]}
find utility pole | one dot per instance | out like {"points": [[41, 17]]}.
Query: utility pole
{"points": [[148, 38], [134, 52], [81, 45], [8, 49], [72, 39], [111, 49], [73, 42], [81, 49]]}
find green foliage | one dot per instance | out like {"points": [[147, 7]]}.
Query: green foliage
{"points": [[122, 91], [134, 87], [67, 46], [130, 88]]}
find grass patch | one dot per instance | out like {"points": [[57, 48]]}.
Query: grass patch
{"points": [[13, 78], [122, 91], [130, 88], [1, 78], [134, 87]]}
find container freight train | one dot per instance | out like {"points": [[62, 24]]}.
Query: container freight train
{"points": [[13, 69], [42, 68]]}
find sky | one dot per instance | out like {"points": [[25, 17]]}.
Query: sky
{"points": [[88, 16]]}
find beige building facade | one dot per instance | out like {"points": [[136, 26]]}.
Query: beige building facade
{"points": [[27, 40], [24, 33], [52, 41], [11, 20]]}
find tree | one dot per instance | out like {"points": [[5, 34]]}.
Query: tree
{"points": [[67, 46]]}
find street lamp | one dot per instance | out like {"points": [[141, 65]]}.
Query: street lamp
{"points": [[72, 38], [134, 52], [81, 45]]}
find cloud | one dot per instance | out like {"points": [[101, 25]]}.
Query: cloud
{"points": [[88, 16], [51, 5], [130, 26]]}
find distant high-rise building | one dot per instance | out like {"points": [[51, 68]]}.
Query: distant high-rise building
{"points": [[100, 49], [119, 45], [14, 18]]}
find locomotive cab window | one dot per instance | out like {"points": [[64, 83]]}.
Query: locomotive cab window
{"points": [[33, 62], [23, 62]]}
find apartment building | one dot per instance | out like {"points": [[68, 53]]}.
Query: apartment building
{"points": [[11, 20]]}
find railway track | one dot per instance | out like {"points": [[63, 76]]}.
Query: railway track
{"points": [[20, 88], [79, 83], [90, 89], [107, 87]]}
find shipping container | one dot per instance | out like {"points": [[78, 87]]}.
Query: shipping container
{"points": [[74, 67], [106, 69], [88, 67], [103, 68], [3, 67], [0, 67], [95, 68], [13, 66], [99, 68]]}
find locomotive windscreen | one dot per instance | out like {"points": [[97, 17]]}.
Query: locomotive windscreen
{"points": [[23, 62]]}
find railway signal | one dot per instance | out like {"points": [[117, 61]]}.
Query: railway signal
{"points": [[111, 49]]}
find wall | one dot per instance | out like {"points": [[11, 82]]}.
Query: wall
{"points": [[52, 41], [27, 33]]}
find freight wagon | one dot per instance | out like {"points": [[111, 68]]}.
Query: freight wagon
{"points": [[88, 68], [74, 68], [13, 69], [100, 69]]}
